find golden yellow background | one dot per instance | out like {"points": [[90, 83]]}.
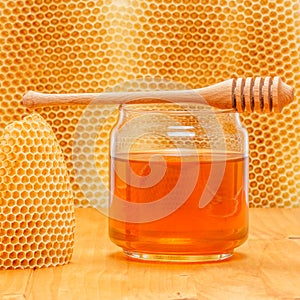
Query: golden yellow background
{"points": [[64, 46]]}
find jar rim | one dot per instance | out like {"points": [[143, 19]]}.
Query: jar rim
{"points": [[174, 108]]}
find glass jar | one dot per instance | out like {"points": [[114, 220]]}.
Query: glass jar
{"points": [[178, 182]]}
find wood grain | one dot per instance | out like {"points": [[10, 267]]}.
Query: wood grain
{"points": [[15, 284], [266, 267]]}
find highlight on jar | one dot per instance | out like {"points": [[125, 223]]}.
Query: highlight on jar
{"points": [[179, 166]]}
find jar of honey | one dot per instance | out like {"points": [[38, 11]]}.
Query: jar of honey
{"points": [[178, 182]]}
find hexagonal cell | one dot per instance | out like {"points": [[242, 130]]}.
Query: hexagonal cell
{"points": [[21, 209]]}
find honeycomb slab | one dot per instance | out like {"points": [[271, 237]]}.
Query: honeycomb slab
{"points": [[36, 202], [75, 46]]}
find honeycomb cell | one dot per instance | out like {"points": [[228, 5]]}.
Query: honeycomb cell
{"points": [[22, 210]]}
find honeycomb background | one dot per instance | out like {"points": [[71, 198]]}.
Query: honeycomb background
{"points": [[36, 204], [64, 46]]}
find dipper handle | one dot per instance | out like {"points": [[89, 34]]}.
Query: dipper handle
{"points": [[261, 95]]}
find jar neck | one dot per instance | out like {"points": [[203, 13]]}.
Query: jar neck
{"points": [[173, 109], [154, 127], [165, 115]]}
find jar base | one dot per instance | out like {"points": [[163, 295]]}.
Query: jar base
{"points": [[180, 258]]}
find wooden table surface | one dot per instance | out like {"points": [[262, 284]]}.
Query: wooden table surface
{"points": [[267, 266]]}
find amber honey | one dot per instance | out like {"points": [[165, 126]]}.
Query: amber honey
{"points": [[214, 227]]}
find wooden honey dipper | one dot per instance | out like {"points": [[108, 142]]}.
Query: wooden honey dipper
{"points": [[261, 95]]}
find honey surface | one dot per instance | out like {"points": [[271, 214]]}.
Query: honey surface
{"points": [[75, 46]]}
